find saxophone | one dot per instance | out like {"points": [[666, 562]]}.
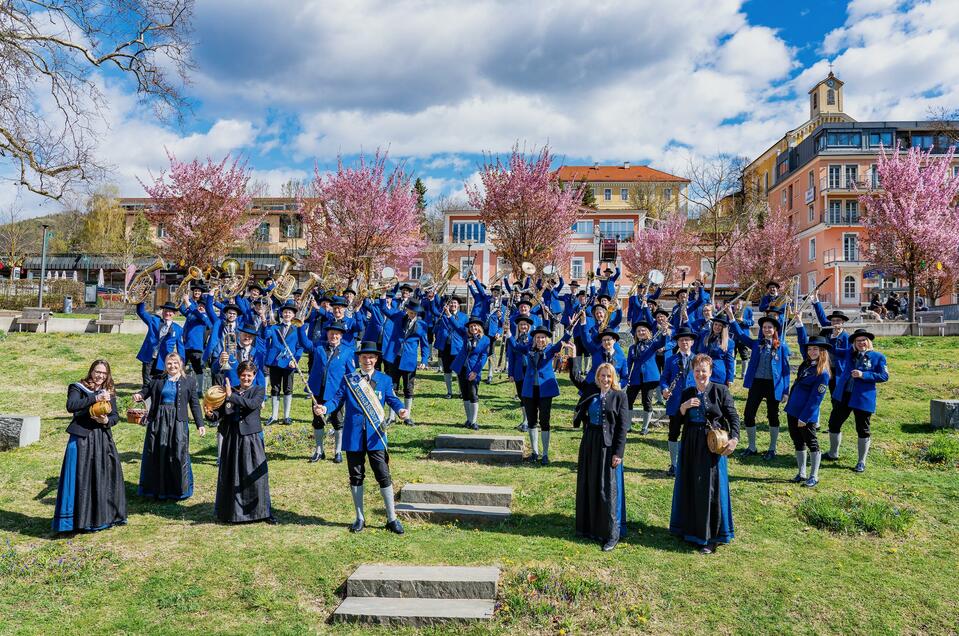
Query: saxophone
{"points": [[141, 287]]}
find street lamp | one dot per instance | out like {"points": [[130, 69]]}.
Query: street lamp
{"points": [[43, 264]]}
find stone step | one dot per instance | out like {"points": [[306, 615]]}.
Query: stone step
{"points": [[447, 512], [421, 582], [413, 612], [484, 442], [478, 455], [457, 494]]}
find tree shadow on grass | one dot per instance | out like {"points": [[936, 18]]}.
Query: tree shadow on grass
{"points": [[19, 523], [202, 512], [917, 427]]}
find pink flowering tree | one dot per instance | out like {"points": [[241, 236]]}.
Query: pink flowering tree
{"points": [[527, 213], [659, 246], [361, 213], [913, 220], [203, 208], [768, 250]]}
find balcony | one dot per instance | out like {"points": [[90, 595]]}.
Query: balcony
{"points": [[621, 237], [843, 184], [848, 257], [843, 217]]}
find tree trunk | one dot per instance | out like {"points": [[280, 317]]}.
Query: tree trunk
{"points": [[911, 310]]}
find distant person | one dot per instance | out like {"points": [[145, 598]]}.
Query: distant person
{"points": [[892, 305]]}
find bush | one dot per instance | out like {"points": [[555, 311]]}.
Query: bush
{"points": [[849, 513], [944, 448]]}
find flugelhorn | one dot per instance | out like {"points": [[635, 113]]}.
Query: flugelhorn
{"points": [[192, 274], [285, 282], [142, 284]]}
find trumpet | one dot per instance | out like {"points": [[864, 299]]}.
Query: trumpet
{"points": [[285, 281], [142, 284]]}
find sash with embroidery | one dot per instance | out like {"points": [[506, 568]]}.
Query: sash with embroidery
{"points": [[366, 398]]}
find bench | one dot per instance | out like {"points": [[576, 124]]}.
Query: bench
{"points": [[931, 320], [33, 316], [110, 317]]}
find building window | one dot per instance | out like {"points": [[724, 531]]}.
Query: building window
{"points": [[815, 100], [849, 289], [577, 267], [766, 181], [161, 232], [810, 282], [583, 227], [835, 176], [608, 194], [875, 176], [466, 264], [830, 97], [923, 141], [668, 194], [469, 231], [291, 226], [789, 197], [416, 269], [624, 194], [812, 180], [955, 173], [835, 212], [850, 247], [262, 234], [846, 139], [852, 212], [812, 213], [852, 176], [622, 231], [595, 192], [880, 138], [706, 266], [812, 249]]}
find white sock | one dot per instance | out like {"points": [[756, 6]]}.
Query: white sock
{"points": [[533, 441], [338, 440], [629, 420], [408, 403], [647, 415], [474, 412], [544, 435], [357, 492], [318, 434], [801, 462], [835, 439], [448, 377], [388, 502], [275, 400], [287, 405], [864, 448], [816, 457], [673, 453], [466, 407], [751, 434], [773, 438]]}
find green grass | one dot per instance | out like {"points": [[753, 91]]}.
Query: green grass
{"points": [[851, 513], [171, 570]]}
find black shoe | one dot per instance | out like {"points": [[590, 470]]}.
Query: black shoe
{"points": [[769, 455], [474, 426], [533, 457], [409, 422], [271, 520], [288, 421], [798, 479], [395, 526], [449, 396], [317, 456], [671, 471], [830, 458], [544, 461], [609, 545], [338, 458], [747, 452], [357, 526], [269, 422], [707, 549]]}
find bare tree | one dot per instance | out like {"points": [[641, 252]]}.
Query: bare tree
{"points": [[18, 237], [50, 100], [436, 214], [946, 122], [720, 207], [646, 196]]}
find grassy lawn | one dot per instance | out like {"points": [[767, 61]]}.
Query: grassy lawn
{"points": [[171, 570]]}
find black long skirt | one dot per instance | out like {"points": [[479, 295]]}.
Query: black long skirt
{"points": [[243, 483], [90, 495], [166, 471], [600, 496], [702, 512]]}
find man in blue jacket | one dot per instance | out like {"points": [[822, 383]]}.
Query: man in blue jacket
{"points": [[363, 394], [406, 350], [194, 332], [163, 338], [332, 360]]}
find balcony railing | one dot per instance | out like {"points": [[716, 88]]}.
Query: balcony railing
{"points": [[843, 184], [843, 217], [842, 257], [621, 237]]}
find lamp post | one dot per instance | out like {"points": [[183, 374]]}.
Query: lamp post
{"points": [[43, 264]]}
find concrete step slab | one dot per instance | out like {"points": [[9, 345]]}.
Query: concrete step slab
{"points": [[478, 455], [484, 442], [417, 581], [413, 612], [457, 494], [447, 512]]}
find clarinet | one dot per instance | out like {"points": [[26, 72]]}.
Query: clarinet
{"points": [[672, 385]]}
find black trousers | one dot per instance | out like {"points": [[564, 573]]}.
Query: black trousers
{"points": [[356, 465], [519, 389], [804, 436], [147, 373], [743, 352], [840, 413], [469, 389], [407, 377], [538, 410], [281, 381], [335, 418], [759, 391], [446, 357], [660, 361], [194, 360], [648, 390], [675, 427]]}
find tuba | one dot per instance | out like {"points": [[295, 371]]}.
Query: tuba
{"points": [[306, 300], [448, 275], [192, 274], [232, 284], [285, 281], [142, 284]]}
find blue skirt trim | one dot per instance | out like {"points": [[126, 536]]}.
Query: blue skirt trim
{"points": [[66, 489]]}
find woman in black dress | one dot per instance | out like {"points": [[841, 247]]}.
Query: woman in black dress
{"points": [[91, 495], [166, 471], [702, 513], [600, 494], [243, 484]]}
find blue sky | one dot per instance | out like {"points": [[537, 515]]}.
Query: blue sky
{"points": [[292, 84]]}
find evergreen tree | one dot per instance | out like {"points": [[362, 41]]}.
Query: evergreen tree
{"points": [[420, 189]]}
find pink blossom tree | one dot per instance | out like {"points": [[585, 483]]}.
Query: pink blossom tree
{"points": [[767, 250], [661, 247], [913, 220], [528, 214], [360, 213], [203, 208]]}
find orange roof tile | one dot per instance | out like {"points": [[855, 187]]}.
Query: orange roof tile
{"points": [[615, 173]]}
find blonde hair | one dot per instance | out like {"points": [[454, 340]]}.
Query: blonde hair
{"points": [[609, 367]]}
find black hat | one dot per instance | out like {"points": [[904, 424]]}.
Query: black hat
{"points": [[349, 290], [288, 305], [368, 346], [819, 341], [406, 287], [297, 292], [722, 319], [249, 330], [456, 298], [581, 292], [253, 286], [642, 323], [544, 331], [766, 319], [168, 305], [575, 283], [262, 300], [476, 321], [413, 305], [661, 311], [684, 332], [838, 314], [198, 285], [527, 294], [682, 290], [495, 288], [861, 333], [771, 283], [337, 325], [338, 301], [608, 271], [609, 332], [602, 296], [525, 301], [325, 298], [525, 319], [230, 306]]}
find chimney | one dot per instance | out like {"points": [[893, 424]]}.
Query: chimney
{"points": [[595, 164], [626, 165]]}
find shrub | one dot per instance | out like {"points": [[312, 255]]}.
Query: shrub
{"points": [[850, 513], [944, 448]]}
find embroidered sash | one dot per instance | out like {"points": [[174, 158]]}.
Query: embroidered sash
{"points": [[366, 398]]}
